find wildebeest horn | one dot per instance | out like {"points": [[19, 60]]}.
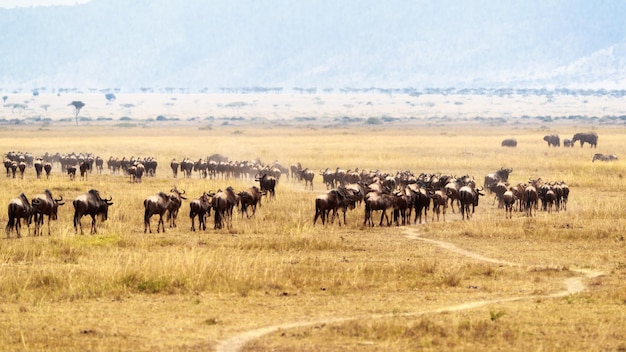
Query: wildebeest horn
{"points": [[59, 199]]}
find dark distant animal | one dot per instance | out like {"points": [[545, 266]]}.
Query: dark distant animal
{"points": [[176, 198], [47, 167], [99, 164], [421, 202], [468, 196], [509, 201], [375, 201], [155, 205], [7, 165], [71, 171], [590, 137], [440, 203], [38, 167], [84, 168], [249, 198], [22, 168], [45, 205], [567, 142], [90, 204], [307, 175], [327, 205], [602, 157], [553, 140], [328, 177], [531, 197], [267, 184], [509, 142], [19, 208], [223, 203], [200, 207]]}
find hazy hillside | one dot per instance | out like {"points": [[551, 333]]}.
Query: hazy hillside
{"points": [[131, 44]]}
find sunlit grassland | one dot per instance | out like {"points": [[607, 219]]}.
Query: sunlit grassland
{"points": [[181, 290]]}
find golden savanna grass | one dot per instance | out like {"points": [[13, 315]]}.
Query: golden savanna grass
{"points": [[180, 290]]}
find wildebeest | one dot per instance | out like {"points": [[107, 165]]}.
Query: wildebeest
{"points": [[602, 157], [177, 198], [328, 177], [421, 202], [84, 168], [19, 208], [468, 196], [90, 204], [22, 168], [553, 140], [47, 167], [329, 203], [200, 207], [71, 171], [590, 137], [267, 184], [307, 175], [45, 205], [223, 203], [440, 203], [38, 167], [509, 200], [509, 142], [531, 197], [155, 205], [492, 179], [377, 201], [249, 198]]}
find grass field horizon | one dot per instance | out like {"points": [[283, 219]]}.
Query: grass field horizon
{"points": [[180, 290]]}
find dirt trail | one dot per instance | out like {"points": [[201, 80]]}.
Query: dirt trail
{"points": [[572, 285]]}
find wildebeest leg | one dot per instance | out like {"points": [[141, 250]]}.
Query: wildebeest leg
{"points": [[161, 224], [146, 222], [193, 227], [93, 225]]}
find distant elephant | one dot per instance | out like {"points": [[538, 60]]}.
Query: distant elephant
{"points": [[589, 137], [567, 142], [509, 142], [553, 140]]}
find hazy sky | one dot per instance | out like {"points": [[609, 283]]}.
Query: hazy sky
{"points": [[29, 3]]}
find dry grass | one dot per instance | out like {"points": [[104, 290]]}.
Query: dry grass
{"points": [[126, 290]]}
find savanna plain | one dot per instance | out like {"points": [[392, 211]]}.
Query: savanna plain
{"points": [[488, 283]]}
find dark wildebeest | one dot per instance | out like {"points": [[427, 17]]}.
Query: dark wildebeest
{"points": [[38, 167], [19, 208], [567, 142], [307, 175], [565, 196], [172, 210], [267, 184], [327, 203], [602, 157], [99, 164], [43, 204], [71, 171], [328, 177], [492, 179], [553, 140], [22, 168], [223, 203], [249, 198], [200, 207], [440, 203], [84, 167], [378, 201], [468, 196], [590, 137], [509, 200], [509, 142], [421, 202], [90, 204], [531, 196], [47, 167], [155, 205]]}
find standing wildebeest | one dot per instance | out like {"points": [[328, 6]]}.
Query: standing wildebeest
{"points": [[590, 137], [84, 167], [468, 196], [172, 210], [553, 140], [602, 157], [378, 201], [47, 167], [492, 179], [509, 142], [200, 207], [38, 167], [509, 200], [531, 196], [307, 175], [22, 167], [223, 203], [44, 204], [328, 177], [440, 203], [155, 205], [249, 198], [71, 171], [91, 204], [327, 203], [19, 208], [267, 184]]}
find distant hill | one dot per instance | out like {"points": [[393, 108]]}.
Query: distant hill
{"points": [[208, 45]]}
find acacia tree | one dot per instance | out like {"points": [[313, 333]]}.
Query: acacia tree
{"points": [[77, 106]]}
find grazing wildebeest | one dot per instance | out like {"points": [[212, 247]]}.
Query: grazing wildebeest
{"points": [[19, 208], [200, 207], [90, 204], [71, 171], [267, 184], [249, 198], [602, 157], [553, 140], [590, 137], [223, 203], [307, 175], [468, 196], [44, 204], [509, 142], [177, 198]]}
